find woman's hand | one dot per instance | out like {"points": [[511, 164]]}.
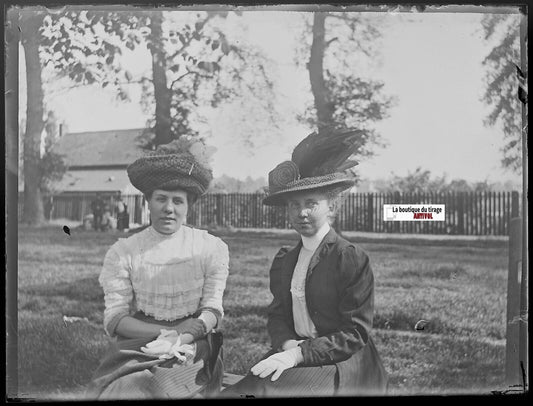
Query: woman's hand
{"points": [[287, 345], [162, 344], [171, 344], [278, 363], [187, 338], [196, 328]]}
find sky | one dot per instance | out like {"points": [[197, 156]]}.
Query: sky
{"points": [[431, 63]]}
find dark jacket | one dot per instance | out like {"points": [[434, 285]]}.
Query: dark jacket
{"points": [[340, 300]]}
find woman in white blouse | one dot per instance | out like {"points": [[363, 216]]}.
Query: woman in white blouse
{"points": [[163, 290]]}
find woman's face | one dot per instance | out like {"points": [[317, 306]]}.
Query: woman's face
{"points": [[168, 210], [308, 211]]}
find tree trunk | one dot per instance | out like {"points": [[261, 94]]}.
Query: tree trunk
{"points": [[31, 21], [324, 108], [161, 91]]}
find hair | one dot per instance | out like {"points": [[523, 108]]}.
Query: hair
{"points": [[191, 197], [336, 197]]}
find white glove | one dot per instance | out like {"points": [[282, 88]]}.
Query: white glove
{"points": [[168, 345], [278, 363], [287, 345], [162, 344]]}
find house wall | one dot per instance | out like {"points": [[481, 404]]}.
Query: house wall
{"points": [[75, 206]]}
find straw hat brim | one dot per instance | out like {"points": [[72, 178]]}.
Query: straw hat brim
{"points": [[336, 180], [180, 170]]}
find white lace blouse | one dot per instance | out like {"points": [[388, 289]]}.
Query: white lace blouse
{"points": [[165, 276], [303, 325]]}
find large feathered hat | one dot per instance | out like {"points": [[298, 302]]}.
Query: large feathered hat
{"points": [[180, 164], [319, 161]]}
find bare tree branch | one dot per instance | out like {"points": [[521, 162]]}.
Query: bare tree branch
{"points": [[78, 85], [331, 40], [342, 17]]}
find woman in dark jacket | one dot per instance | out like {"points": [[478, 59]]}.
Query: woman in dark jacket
{"points": [[321, 314]]}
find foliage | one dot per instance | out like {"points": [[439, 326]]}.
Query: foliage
{"points": [[52, 168], [358, 103], [421, 181], [228, 184], [354, 101], [205, 69], [65, 41], [194, 64], [84, 46], [502, 84], [417, 181], [52, 165]]}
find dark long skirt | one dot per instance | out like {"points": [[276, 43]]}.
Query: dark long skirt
{"points": [[293, 382], [128, 373], [361, 375]]}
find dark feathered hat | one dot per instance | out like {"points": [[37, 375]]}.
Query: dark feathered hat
{"points": [[171, 167], [319, 161]]}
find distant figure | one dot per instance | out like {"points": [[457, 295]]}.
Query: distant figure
{"points": [[122, 214], [49, 207], [97, 207], [107, 219]]}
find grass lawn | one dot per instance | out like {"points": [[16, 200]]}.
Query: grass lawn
{"points": [[458, 289]]}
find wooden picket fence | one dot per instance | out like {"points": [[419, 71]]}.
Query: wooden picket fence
{"points": [[467, 213], [484, 213]]}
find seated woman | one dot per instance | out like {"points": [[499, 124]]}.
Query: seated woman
{"points": [[163, 291], [320, 317]]}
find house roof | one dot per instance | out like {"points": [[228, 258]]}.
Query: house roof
{"points": [[100, 148], [96, 180]]}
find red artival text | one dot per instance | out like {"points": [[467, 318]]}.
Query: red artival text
{"points": [[423, 216]]}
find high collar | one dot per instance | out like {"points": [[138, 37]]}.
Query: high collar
{"points": [[312, 243], [162, 236], [290, 259]]}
